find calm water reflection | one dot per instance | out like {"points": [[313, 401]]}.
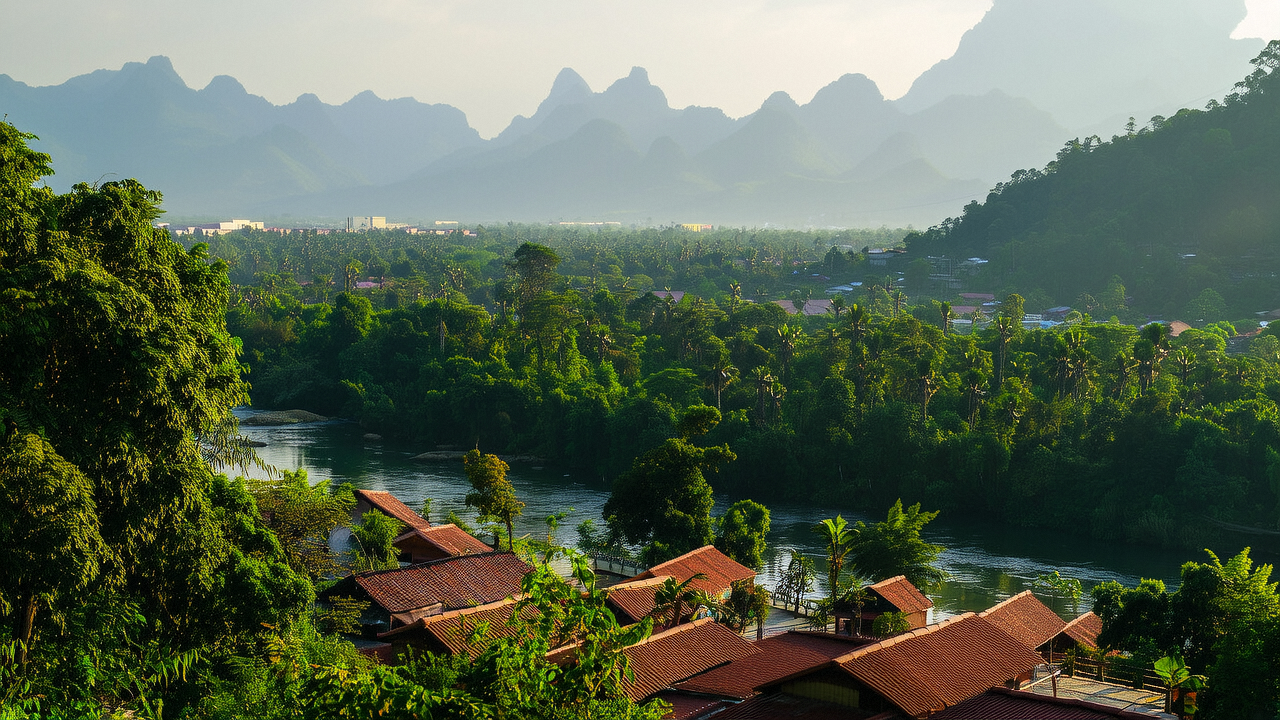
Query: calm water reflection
{"points": [[985, 563]]}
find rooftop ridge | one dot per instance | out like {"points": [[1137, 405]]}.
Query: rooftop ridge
{"points": [[1003, 603], [642, 582], [428, 563], [682, 627], [889, 642], [691, 553], [887, 581]]}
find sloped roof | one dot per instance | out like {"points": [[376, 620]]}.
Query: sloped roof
{"points": [[685, 706], [634, 598], [779, 706], [776, 657], [721, 570], [938, 666], [942, 665], [449, 538], [1006, 704], [1025, 618], [452, 628], [1085, 629], [900, 593], [680, 653], [455, 582], [389, 504]]}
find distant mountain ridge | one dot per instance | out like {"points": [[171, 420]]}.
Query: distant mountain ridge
{"points": [[847, 157]]}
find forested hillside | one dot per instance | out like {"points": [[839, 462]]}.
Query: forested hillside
{"points": [[1178, 207], [540, 340]]}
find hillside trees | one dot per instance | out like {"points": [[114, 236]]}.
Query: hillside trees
{"points": [[118, 358]]}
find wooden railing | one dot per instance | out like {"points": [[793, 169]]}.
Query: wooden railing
{"points": [[614, 565], [1113, 672]]}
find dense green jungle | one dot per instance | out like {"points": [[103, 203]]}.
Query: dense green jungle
{"points": [[137, 582]]}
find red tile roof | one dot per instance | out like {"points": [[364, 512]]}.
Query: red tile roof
{"points": [[688, 707], [680, 653], [455, 582], [721, 570], [450, 539], [941, 665], [1006, 704], [937, 666], [1025, 618], [777, 657], [781, 706], [900, 593], [634, 598], [1085, 629], [452, 629], [389, 504]]}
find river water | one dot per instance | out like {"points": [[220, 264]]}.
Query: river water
{"points": [[985, 563]]}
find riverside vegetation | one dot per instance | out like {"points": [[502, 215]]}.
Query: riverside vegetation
{"points": [[135, 581]]}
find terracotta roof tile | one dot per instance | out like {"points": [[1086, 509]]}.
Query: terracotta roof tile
{"points": [[1085, 629], [900, 593], [940, 665], [777, 657], [634, 598], [688, 707], [1025, 618], [389, 504], [450, 539], [455, 582], [721, 570], [1005, 704], [780, 706], [680, 653], [452, 628]]}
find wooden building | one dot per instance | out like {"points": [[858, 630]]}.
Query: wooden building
{"points": [[420, 545]]}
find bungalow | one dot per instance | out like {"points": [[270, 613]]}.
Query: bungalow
{"points": [[680, 653], [437, 542], [450, 633], [405, 595], [915, 674], [895, 594], [776, 657], [387, 504], [633, 600], [1080, 632], [1027, 620], [721, 570]]}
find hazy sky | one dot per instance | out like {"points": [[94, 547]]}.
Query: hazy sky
{"points": [[497, 58]]}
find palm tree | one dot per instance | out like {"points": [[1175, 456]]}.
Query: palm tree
{"points": [[975, 383], [787, 338], [944, 309], [837, 306], [857, 596], [764, 381], [855, 325], [671, 597], [928, 386], [735, 296], [838, 535], [1005, 328], [899, 298], [721, 374]]}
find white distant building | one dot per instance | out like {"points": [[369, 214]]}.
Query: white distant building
{"points": [[219, 228], [370, 222]]}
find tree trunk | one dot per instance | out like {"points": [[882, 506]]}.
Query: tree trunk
{"points": [[511, 538], [26, 626]]}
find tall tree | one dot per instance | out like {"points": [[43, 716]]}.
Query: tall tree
{"points": [[894, 547], [837, 534], [741, 532], [664, 500], [492, 494]]}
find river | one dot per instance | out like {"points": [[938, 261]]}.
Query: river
{"points": [[985, 563]]}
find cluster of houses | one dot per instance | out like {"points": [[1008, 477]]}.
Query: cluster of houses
{"points": [[976, 665]]}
